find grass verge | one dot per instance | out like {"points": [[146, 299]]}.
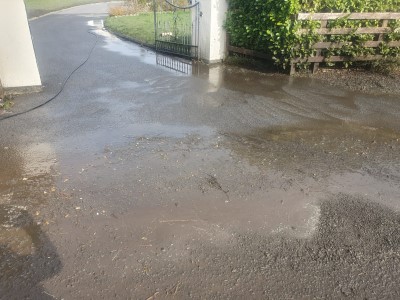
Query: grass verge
{"points": [[37, 8], [139, 27]]}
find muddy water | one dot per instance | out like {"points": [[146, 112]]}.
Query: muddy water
{"points": [[154, 176], [27, 256], [319, 149]]}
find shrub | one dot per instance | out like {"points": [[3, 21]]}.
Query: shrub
{"points": [[270, 26], [130, 7], [164, 6]]}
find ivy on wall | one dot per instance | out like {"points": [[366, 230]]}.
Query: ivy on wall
{"points": [[270, 26]]}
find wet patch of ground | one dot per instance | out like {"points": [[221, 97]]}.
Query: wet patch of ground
{"points": [[318, 150], [355, 238], [142, 181], [27, 257], [196, 216], [361, 80]]}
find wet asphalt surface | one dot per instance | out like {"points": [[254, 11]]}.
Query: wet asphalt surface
{"points": [[143, 182]]}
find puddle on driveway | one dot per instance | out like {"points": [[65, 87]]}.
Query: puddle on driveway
{"points": [[115, 44], [158, 165], [319, 149], [280, 137], [273, 98], [176, 65], [24, 168], [95, 141], [27, 257]]}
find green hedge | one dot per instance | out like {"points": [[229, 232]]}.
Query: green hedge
{"points": [[270, 26], [348, 5]]}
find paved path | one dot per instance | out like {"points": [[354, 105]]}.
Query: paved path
{"points": [[139, 181]]}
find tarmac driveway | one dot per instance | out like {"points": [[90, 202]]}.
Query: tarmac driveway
{"points": [[143, 182]]}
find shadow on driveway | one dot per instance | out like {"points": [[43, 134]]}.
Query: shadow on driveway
{"points": [[27, 257]]}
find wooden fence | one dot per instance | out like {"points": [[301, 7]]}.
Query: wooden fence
{"points": [[378, 33]]}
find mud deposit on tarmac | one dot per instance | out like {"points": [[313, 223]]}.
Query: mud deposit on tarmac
{"points": [[320, 149], [141, 182]]}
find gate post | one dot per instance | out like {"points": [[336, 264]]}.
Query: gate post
{"points": [[18, 67], [212, 44]]}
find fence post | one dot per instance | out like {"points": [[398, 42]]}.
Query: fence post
{"points": [[324, 24], [18, 67], [212, 45]]}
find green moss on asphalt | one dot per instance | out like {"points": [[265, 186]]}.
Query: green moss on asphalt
{"points": [[6, 104]]}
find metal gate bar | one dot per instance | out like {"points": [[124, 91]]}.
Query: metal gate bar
{"points": [[177, 28]]}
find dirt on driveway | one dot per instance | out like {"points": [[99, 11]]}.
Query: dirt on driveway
{"points": [[143, 182], [362, 80]]}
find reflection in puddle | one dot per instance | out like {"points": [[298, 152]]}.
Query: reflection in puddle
{"points": [[121, 85], [276, 96], [175, 64], [122, 135], [12, 233], [27, 175], [39, 159], [11, 166], [96, 23], [27, 256], [115, 44]]}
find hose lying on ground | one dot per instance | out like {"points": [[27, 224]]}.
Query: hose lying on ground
{"points": [[62, 86]]}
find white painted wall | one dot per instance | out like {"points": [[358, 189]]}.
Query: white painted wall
{"points": [[18, 67], [212, 33]]}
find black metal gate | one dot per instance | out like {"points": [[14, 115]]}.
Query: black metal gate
{"points": [[176, 25]]}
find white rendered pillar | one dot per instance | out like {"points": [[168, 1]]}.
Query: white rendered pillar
{"points": [[212, 44], [18, 67]]}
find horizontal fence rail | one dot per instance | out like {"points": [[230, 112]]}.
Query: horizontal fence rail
{"points": [[370, 44], [378, 40], [378, 32], [341, 31], [348, 16], [247, 52]]}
